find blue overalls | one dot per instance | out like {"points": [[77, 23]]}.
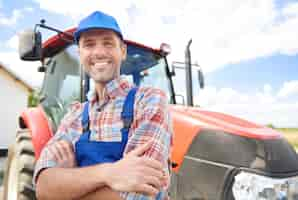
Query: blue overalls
{"points": [[96, 152]]}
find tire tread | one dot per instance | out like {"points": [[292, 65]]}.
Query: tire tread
{"points": [[23, 150]]}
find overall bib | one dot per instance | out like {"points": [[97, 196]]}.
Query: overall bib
{"points": [[96, 152]]}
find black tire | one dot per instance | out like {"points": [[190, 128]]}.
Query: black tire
{"points": [[19, 169]]}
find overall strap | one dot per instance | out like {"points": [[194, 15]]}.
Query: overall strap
{"points": [[126, 114], [127, 110], [85, 118]]}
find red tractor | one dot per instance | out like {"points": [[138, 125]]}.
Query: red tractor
{"points": [[215, 156]]}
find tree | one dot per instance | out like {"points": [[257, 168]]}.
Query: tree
{"points": [[270, 126], [33, 99]]}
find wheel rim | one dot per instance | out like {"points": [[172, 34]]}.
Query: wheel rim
{"points": [[12, 185]]}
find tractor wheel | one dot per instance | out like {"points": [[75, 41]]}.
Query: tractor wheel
{"points": [[19, 169]]}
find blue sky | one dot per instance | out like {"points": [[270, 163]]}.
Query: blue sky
{"points": [[248, 49], [273, 70]]}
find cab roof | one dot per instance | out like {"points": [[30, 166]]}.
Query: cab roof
{"points": [[60, 41]]}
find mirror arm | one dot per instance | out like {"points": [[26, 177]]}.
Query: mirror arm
{"points": [[42, 25]]}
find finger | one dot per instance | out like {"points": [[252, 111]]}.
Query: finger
{"points": [[67, 148], [61, 150], [150, 162], [140, 150], [165, 180], [149, 171], [153, 181], [55, 153], [147, 190]]}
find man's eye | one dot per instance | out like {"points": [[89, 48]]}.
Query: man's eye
{"points": [[89, 44], [108, 44]]}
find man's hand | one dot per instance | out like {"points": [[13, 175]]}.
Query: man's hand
{"points": [[63, 154], [135, 173]]}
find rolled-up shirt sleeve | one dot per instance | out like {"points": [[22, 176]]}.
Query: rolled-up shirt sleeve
{"points": [[69, 130], [152, 121]]}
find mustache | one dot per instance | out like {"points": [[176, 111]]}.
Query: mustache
{"points": [[99, 58]]}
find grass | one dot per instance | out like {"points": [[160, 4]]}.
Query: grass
{"points": [[291, 134]]}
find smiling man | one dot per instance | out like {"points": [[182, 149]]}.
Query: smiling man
{"points": [[99, 152]]}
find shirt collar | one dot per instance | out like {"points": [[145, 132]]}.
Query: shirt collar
{"points": [[115, 88]]}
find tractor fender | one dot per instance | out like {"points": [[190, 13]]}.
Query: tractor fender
{"points": [[185, 130], [36, 121]]}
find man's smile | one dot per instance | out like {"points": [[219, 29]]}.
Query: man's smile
{"points": [[101, 65]]}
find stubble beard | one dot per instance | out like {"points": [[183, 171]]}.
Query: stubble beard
{"points": [[103, 77]]}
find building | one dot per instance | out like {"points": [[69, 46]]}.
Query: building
{"points": [[13, 99]]}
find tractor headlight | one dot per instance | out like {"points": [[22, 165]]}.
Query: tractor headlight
{"points": [[248, 186]]}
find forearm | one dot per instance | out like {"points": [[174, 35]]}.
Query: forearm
{"points": [[102, 193], [70, 183]]}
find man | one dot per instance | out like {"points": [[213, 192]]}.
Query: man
{"points": [[142, 173]]}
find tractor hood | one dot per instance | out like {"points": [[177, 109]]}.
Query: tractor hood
{"points": [[228, 140], [202, 119]]}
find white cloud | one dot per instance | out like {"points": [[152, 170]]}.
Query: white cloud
{"points": [[265, 98], [289, 88], [263, 107], [267, 88], [227, 95], [13, 42], [291, 10], [79, 9], [12, 20], [207, 97], [26, 70], [29, 9], [15, 16], [223, 32]]}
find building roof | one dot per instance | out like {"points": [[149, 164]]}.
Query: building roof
{"points": [[16, 77]]}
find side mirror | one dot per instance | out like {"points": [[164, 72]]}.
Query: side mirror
{"points": [[30, 45], [201, 79]]}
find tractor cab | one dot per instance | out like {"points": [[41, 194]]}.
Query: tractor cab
{"points": [[65, 81]]}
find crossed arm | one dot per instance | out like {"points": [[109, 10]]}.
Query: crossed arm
{"points": [[140, 170], [133, 173]]}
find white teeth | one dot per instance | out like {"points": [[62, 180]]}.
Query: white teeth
{"points": [[101, 63]]}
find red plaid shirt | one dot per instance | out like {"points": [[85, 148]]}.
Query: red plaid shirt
{"points": [[151, 120]]}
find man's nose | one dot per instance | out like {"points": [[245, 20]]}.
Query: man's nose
{"points": [[99, 50]]}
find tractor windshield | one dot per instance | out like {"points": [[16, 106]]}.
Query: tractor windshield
{"points": [[62, 84]]}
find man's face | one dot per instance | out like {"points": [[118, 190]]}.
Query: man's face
{"points": [[101, 53]]}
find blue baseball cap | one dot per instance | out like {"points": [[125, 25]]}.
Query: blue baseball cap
{"points": [[97, 20]]}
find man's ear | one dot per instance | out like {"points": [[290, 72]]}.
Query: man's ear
{"points": [[123, 50]]}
